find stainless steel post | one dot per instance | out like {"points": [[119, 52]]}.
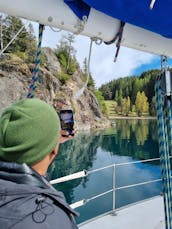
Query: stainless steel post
{"points": [[113, 187]]}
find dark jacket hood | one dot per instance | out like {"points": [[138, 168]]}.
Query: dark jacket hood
{"points": [[31, 185]]}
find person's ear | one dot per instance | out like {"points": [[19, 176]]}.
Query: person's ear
{"points": [[54, 152]]}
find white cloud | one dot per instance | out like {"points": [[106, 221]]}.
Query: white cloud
{"points": [[103, 68], [127, 62]]}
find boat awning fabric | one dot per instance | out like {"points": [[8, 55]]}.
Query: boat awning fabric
{"points": [[158, 20]]}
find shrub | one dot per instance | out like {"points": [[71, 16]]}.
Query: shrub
{"points": [[63, 77], [22, 55], [66, 61], [101, 102]]}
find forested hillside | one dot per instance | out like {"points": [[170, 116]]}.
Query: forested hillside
{"points": [[132, 95]]}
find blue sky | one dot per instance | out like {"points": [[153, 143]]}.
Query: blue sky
{"points": [[103, 69], [154, 64]]}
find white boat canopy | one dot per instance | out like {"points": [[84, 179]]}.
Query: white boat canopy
{"points": [[147, 23]]}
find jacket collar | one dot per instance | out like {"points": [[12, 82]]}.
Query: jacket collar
{"points": [[22, 174]]}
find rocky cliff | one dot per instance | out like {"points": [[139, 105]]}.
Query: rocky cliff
{"points": [[15, 76]]}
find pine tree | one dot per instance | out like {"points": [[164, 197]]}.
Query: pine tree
{"points": [[12, 26], [152, 109], [128, 105], [25, 43], [116, 96], [66, 54], [31, 44]]}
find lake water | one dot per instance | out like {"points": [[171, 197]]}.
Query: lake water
{"points": [[128, 141]]}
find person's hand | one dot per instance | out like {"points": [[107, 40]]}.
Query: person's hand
{"points": [[65, 136]]}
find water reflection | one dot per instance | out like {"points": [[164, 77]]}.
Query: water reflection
{"points": [[74, 156], [130, 140]]}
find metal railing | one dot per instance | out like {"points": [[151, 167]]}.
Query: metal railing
{"points": [[85, 173]]}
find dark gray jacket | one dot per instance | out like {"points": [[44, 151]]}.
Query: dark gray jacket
{"points": [[28, 201]]}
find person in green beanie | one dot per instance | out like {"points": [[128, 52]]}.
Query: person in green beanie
{"points": [[30, 135]]}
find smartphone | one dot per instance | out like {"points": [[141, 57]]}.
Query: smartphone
{"points": [[67, 121]]}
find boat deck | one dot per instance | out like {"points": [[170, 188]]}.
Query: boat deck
{"points": [[147, 214]]}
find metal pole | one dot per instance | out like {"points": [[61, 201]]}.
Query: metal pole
{"points": [[113, 187]]}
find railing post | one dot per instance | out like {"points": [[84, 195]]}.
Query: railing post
{"points": [[113, 187]]}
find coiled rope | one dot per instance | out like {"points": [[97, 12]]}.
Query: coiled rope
{"points": [[33, 84], [164, 119], [118, 38]]}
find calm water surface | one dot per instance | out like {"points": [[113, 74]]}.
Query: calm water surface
{"points": [[129, 141]]}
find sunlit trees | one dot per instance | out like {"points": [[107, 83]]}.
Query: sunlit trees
{"points": [[129, 87], [101, 102], [125, 106], [141, 103]]}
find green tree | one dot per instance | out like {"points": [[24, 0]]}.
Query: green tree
{"points": [[128, 105], [31, 44], [152, 109], [120, 97], [141, 103], [24, 45], [91, 83], [125, 106], [129, 86], [106, 92], [11, 26], [101, 102], [66, 54], [116, 95]]}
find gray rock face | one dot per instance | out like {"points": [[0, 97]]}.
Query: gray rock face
{"points": [[11, 90], [53, 64], [15, 79]]}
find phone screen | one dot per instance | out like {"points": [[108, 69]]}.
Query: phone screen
{"points": [[67, 120]]}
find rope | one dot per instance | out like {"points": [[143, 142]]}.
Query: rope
{"points": [[164, 135], [33, 84], [54, 30], [119, 37], [80, 92]]}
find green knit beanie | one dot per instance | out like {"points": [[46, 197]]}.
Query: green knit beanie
{"points": [[29, 130]]}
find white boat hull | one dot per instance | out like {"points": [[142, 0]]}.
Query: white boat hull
{"points": [[56, 13]]}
